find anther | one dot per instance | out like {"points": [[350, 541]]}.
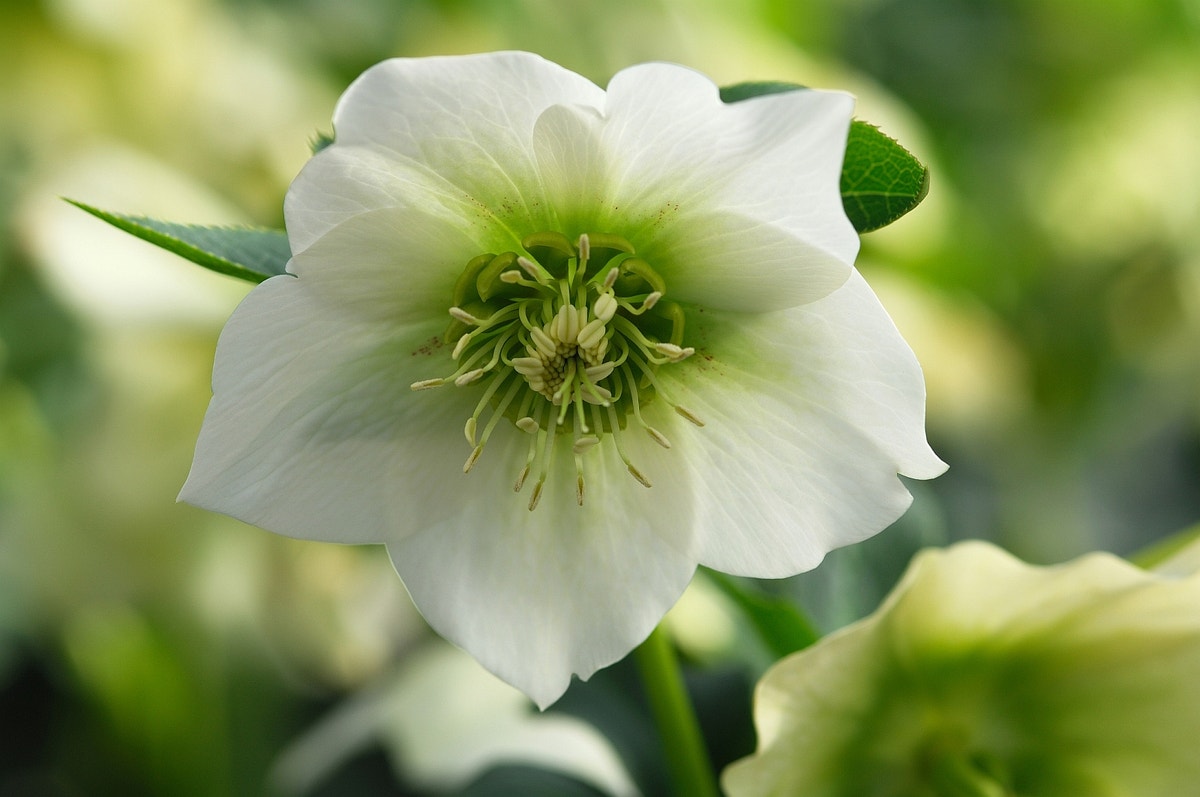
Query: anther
{"points": [[527, 424], [591, 333], [638, 475], [673, 352], [460, 346], [427, 384], [610, 278], [528, 366], [579, 489], [471, 460], [585, 248], [584, 443], [688, 415], [537, 494], [531, 268], [462, 315], [605, 307], [511, 277], [651, 300], [597, 372], [524, 474], [469, 430], [658, 437], [544, 343], [469, 377]]}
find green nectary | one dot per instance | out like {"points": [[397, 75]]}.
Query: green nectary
{"points": [[564, 339]]}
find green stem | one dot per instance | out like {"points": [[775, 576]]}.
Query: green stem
{"points": [[687, 759]]}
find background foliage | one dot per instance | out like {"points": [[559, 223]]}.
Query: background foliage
{"points": [[1050, 286]]}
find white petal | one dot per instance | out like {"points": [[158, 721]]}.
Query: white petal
{"points": [[810, 413], [537, 596], [574, 167], [724, 190], [393, 265], [461, 125], [313, 423]]}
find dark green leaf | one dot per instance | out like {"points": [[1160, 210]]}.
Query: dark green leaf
{"points": [[779, 623], [744, 91], [514, 779], [252, 254], [881, 180], [319, 143]]}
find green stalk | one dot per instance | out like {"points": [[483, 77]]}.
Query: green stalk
{"points": [[687, 759]]}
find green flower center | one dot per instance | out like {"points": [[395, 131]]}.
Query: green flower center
{"points": [[564, 339], [951, 768]]}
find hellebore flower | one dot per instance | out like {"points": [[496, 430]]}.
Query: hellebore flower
{"points": [[986, 677], [574, 294]]}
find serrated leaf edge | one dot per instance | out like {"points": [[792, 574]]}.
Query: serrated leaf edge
{"points": [[135, 225]]}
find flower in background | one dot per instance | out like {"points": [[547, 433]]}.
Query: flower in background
{"points": [[556, 345], [981, 675]]}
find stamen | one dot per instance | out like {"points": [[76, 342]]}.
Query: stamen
{"points": [[674, 353], [597, 372], [584, 443], [529, 366], [469, 377], [569, 349], [471, 460], [462, 315], [544, 470], [590, 335], [658, 437], [544, 343], [605, 307], [616, 436]]}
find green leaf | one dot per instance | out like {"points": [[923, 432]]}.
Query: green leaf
{"points": [[320, 142], [779, 623], [248, 253], [881, 180]]}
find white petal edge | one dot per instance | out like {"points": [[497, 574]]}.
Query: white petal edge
{"points": [[464, 122], [810, 415], [709, 180], [313, 430], [565, 589]]}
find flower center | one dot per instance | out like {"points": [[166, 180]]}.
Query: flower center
{"points": [[564, 339]]}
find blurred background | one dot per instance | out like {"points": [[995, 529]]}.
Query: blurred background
{"points": [[1050, 286]]}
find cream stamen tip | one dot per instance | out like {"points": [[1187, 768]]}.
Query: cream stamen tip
{"points": [[471, 460], [658, 437], [464, 316], [584, 443], [638, 475], [469, 377]]}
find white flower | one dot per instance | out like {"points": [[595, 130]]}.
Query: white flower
{"points": [[610, 289], [981, 675]]}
